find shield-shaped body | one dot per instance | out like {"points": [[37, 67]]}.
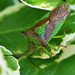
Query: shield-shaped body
{"points": [[46, 29]]}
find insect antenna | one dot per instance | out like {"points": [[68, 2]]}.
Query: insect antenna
{"points": [[17, 54], [33, 62]]}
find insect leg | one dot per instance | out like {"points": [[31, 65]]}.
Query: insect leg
{"points": [[53, 54], [52, 47], [67, 30], [63, 46], [47, 51], [61, 36], [33, 62], [42, 51]]}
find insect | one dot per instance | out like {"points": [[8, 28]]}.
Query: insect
{"points": [[41, 33]]}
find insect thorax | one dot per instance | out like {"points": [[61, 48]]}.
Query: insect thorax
{"points": [[35, 38]]}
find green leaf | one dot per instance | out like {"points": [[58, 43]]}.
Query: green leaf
{"points": [[53, 66], [70, 1], [43, 4], [8, 64], [6, 3], [72, 41], [46, 4]]}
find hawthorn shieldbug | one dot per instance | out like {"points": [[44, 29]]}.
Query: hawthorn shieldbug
{"points": [[41, 33]]}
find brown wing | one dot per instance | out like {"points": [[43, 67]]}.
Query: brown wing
{"points": [[49, 30], [43, 21]]}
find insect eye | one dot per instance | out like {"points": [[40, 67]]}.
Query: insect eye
{"points": [[44, 45], [23, 32]]}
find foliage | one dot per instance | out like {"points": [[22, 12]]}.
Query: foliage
{"points": [[19, 17], [8, 65]]}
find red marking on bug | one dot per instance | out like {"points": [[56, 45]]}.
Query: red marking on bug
{"points": [[24, 32], [66, 14]]}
